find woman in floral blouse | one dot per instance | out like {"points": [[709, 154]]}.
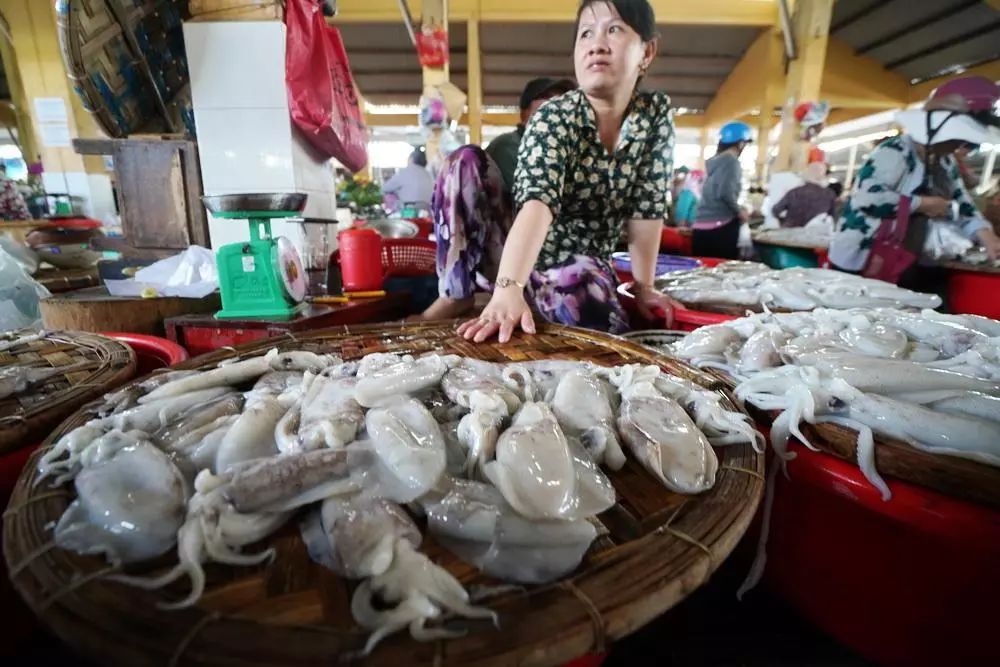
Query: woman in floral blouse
{"points": [[595, 163], [920, 165]]}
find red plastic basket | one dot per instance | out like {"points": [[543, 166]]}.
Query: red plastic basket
{"points": [[409, 258]]}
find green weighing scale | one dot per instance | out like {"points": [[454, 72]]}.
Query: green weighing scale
{"points": [[264, 277]]}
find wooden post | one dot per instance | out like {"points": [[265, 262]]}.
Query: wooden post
{"points": [[991, 162], [435, 15], [805, 73], [704, 147], [852, 163], [475, 83]]}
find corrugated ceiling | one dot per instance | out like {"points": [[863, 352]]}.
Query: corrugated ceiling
{"points": [[920, 39], [693, 60]]}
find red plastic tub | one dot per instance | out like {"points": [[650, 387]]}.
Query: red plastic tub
{"points": [[685, 319], [676, 241], [974, 293], [912, 581], [151, 352]]}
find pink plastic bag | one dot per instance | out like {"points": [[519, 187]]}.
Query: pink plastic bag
{"points": [[321, 93]]}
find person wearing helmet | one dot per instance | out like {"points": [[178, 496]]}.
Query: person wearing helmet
{"points": [[920, 165], [717, 223]]}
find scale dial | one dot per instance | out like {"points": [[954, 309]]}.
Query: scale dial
{"points": [[289, 265]]}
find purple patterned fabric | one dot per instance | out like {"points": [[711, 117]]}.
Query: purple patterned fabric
{"points": [[471, 219]]}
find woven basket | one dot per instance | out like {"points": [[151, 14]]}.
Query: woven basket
{"points": [[127, 63], [656, 548], [28, 417]]}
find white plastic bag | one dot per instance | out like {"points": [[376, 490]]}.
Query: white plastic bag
{"points": [[24, 255], [745, 242], [192, 274], [944, 241], [19, 296]]}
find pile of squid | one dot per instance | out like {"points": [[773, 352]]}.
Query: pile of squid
{"points": [[755, 286], [928, 379], [501, 463]]}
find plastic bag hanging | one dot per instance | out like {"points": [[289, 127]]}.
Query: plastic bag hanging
{"points": [[321, 93]]}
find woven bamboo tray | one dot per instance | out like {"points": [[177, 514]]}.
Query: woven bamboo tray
{"points": [[952, 476], [27, 418], [657, 547]]}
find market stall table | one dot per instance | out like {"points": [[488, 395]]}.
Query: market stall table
{"points": [[786, 253], [200, 334]]}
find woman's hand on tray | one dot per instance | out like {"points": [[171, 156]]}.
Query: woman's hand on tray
{"points": [[505, 312], [654, 305]]}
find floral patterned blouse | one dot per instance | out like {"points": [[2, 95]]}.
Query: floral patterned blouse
{"points": [[893, 171], [591, 193]]}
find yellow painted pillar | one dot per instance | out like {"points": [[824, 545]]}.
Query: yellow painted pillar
{"points": [[435, 15], [702, 146], [771, 98], [39, 69], [475, 83], [20, 111], [805, 74]]}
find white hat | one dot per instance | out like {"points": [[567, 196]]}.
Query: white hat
{"points": [[959, 127]]}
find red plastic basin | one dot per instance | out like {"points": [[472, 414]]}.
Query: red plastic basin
{"points": [[673, 241], [974, 293], [685, 319], [912, 581], [151, 352]]}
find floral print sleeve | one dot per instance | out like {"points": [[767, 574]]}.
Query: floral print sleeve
{"points": [[541, 158], [656, 167], [876, 191], [972, 219]]}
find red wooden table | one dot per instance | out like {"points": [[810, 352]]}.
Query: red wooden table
{"points": [[199, 334]]}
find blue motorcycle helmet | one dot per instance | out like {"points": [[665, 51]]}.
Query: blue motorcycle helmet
{"points": [[735, 132]]}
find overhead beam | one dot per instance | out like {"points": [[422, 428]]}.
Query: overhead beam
{"points": [[703, 12], [922, 91], [853, 81], [744, 88]]}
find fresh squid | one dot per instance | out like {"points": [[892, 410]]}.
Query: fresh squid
{"points": [[129, 506], [409, 446], [663, 438], [473, 520], [582, 405]]}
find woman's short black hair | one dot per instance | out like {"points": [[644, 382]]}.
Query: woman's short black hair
{"points": [[637, 14], [725, 147], [419, 157]]}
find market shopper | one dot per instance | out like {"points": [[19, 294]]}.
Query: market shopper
{"points": [[504, 148], [717, 224], [686, 203], [813, 198], [412, 184], [920, 166], [594, 163]]}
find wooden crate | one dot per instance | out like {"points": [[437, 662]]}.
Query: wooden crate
{"points": [[236, 10]]}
